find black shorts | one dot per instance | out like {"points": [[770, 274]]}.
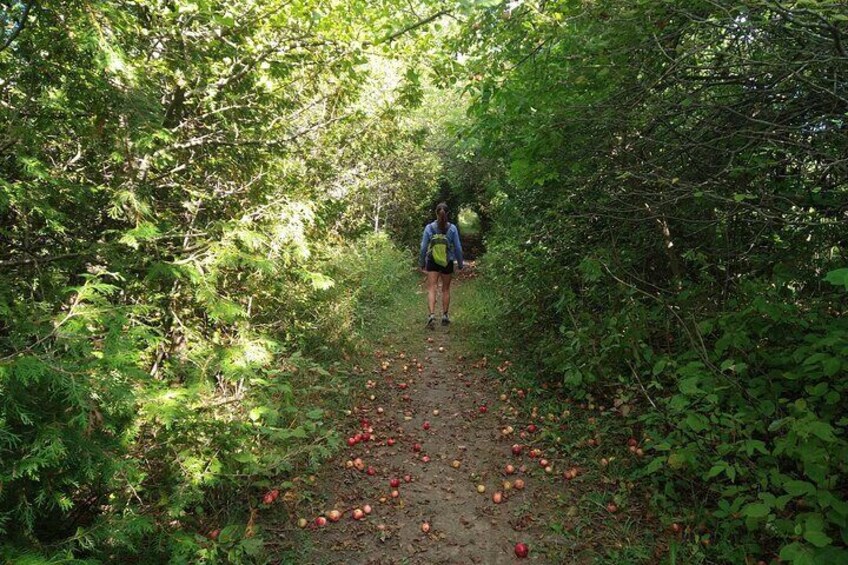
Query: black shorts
{"points": [[430, 266]]}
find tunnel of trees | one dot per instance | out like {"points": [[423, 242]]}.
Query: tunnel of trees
{"points": [[202, 203]]}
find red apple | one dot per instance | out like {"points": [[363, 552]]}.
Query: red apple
{"points": [[521, 550]]}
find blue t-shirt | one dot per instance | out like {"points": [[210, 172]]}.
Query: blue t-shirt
{"points": [[454, 246]]}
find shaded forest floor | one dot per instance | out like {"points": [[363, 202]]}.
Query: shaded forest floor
{"points": [[473, 415]]}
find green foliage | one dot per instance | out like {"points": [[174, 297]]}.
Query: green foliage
{"points": [[667, 203], [180, 236], [194, 202]]}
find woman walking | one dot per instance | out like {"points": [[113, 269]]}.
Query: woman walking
{"points": [[440, 249]]}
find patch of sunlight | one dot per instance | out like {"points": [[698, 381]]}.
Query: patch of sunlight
{"points": [[469, 221]]}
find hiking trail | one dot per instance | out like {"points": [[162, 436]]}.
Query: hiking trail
{"points": [[428, 379]]}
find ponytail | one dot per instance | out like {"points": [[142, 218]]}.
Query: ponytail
{"points": [[442, 216]]}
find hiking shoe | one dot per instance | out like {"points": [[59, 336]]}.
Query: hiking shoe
{"points": [[445, 320], [431, 322]]}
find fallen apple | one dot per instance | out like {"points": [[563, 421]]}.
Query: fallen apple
{"points": [[521, 550]]}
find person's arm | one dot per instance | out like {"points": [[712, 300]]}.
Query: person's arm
{"points": [[457, 246], [425, 241]]}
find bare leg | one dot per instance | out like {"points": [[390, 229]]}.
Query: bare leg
{"points": [[432, 280], [446, 283]]}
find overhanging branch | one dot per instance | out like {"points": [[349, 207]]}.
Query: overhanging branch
{"points": [[19, 27]]}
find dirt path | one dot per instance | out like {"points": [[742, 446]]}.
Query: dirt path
{"points": [[423, 379]]}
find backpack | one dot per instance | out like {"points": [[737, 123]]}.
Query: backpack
{"points": [[438, 248]]}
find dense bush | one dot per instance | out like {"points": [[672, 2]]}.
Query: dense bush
{"points": [[669, 229], [179, 228]]}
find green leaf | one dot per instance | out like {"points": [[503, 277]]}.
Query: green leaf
{"points": [[689, 386], [799, 488], [817, 538], [320, 281], [839, 277], [697, 422], [798, 554], [756, 510], [716, 470], [822, 430]]}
